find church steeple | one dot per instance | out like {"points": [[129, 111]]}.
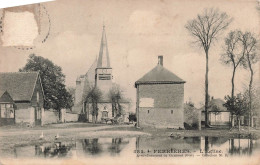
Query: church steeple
{"points": [[103, 58]]}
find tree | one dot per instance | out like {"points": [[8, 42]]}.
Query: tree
{"points": [[206, 28], [71, 91], [93, 97], [233, 55], [56, 95], [238, 105], [249, 42], [255, 104], [115, 95]]}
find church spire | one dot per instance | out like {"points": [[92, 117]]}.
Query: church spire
{"points": [[103, 58]]}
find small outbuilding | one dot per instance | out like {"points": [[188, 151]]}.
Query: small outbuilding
{"points": [[160, 98], [21, 98]]}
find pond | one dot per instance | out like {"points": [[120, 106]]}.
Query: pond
{"points": [[139, 147]]}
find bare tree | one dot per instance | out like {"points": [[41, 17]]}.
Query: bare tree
{"points": [[115, 95], [233, 55], [205, 29], [249, 42], [93, 97]]}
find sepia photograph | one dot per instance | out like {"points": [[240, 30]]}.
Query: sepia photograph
{"points": [[130, 82]]}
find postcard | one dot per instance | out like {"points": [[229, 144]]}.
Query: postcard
{"points": [[130, 82]]}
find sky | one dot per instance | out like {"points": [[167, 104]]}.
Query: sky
{"points": [[137, 32]]}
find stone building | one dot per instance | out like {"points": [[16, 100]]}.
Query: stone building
{"points": [[160, 97], [99, 76], [21, 98]]}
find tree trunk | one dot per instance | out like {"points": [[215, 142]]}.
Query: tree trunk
{"points": [[238, 119], [249, 93], [232, 93], [59, 115], [206, 90], [232, 120], [113, 108], [93, 118]]}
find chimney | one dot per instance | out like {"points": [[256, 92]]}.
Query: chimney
{"points": [[160, 60]]}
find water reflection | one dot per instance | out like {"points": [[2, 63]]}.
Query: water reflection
{"points": [[125, 147], [91, 146]]}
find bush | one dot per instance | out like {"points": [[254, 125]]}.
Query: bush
{"points": [[82, 118], [132, 117]]}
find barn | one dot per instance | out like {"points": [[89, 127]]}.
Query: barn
{"points": [[160, 97], [21, 98]]}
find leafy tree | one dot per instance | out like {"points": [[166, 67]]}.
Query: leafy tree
{"points": [[237, 105], [93, 97], [56, 95], [206, 29], [249, 42], [233, 55]]}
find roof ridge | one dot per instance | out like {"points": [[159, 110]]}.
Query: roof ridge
{"points": [[159, 74]]}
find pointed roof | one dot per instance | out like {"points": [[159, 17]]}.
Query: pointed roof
{"points": [[159, 75], [103, 58], [20, 85], [6, 98]]}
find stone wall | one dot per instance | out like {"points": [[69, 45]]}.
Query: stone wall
{"points": [[71, 117], [50, 116], [163, 95], [161, 117], [161, 105], [25, 116]]}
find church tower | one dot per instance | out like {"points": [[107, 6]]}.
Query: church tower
{"points": [[103, 72]]}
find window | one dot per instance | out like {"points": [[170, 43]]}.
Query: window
{"points": [[7, 111], [37, 97], [38, 113], [104, 77], [104, 114], [171, 111], [148, 111]]}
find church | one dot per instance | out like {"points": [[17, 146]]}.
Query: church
{"points": [[99, 76]]}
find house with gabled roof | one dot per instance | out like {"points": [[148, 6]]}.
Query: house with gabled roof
{"points": [[218, 114], [160, 97], [21, 98]]}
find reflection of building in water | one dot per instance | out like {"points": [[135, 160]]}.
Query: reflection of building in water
{"points": [[57, 149], [234, 146], [104, 145], [125, 147], [197, 144], [241, 146]]}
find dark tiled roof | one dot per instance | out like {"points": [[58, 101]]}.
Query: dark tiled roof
{"points": [[6, 98], [159, 75], [20, 85]]}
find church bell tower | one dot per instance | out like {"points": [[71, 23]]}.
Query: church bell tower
{"points": [[103, 72]]}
